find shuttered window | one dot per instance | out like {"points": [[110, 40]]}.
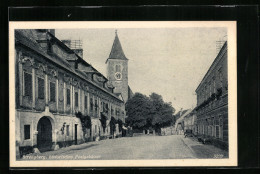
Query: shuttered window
{"points": [[96, 106], [91, 104], [76, 99], [28, 84], [52, 92], [86, 102], [40, 88], [68, 96], [107, 108]]}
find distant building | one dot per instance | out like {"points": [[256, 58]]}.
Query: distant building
{"points": [[212, 100], [190, 121], [54, 83], [180, 113], [179, 124]]}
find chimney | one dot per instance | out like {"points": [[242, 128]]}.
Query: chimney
{"points": [[75, 45]]}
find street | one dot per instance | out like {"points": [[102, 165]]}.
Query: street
{"points": [[127, 148]]}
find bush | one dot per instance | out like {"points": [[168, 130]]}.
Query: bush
{"points": [[120, 125], [113, 123], [103, 137], [103, 121], [85, 122]]}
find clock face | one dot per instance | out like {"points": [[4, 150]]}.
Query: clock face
{"points": [[118, 76]]}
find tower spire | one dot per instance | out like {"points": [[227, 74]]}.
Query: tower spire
{"points": [[117, 51]]}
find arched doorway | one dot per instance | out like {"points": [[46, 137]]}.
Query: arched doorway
{"points": [[44, 136]]}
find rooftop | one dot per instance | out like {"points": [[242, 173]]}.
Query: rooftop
{"points": [[117, 51]]}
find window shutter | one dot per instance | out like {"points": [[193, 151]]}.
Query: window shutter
{"points": [[27, 84]]}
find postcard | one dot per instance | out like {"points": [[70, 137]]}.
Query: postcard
{"points": [[123, 94]]}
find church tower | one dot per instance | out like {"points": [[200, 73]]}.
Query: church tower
{"points": [[117, 69]]}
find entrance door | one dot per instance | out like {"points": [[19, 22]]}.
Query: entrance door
{"points": [[44, 136], [76, 133]]}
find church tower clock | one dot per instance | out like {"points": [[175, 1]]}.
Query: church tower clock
{"points": [[117, 69]]}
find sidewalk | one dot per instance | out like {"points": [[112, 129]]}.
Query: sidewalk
{"points": [[65, 149], [204, 150]]}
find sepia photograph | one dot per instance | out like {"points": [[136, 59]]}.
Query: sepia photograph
{"points": [[123, 94]]}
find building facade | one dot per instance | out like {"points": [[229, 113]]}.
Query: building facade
{"points": [[212, 101], [53, 85]]}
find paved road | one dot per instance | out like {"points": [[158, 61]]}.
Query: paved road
{"points": [[143, 147]]}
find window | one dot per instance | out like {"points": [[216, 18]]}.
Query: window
{"points": [[205, 92], [95, 128], [96, 105], [118, 68], [52, 92], [27, 84], [86, 102], [76, 99], [27, 132], [210, 88], [220, 128], [216, 124], [112, 111], [40, 88], [68, 96], [101, 107], [67, 130], [220, 76], [217, 131], [106, 108], [214, 85], [91, 104]]}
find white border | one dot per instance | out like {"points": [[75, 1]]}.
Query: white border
{"points": [[232, 94]]}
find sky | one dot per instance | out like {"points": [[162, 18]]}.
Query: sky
{"points": [[168, 61]]}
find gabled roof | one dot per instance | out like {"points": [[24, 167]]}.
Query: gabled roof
{"points": [[180, 113], [185, 114], [117, 51]]}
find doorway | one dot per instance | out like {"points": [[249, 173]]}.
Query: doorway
{"points": [[44, 136]]}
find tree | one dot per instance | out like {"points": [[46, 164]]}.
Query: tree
{"points": [[149, 112], [161, 112], [137, 109]]}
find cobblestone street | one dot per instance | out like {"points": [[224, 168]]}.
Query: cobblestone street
{"points": [[142, 147]]}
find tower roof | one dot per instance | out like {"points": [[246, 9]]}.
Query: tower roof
{"points": [[117, 51]]}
